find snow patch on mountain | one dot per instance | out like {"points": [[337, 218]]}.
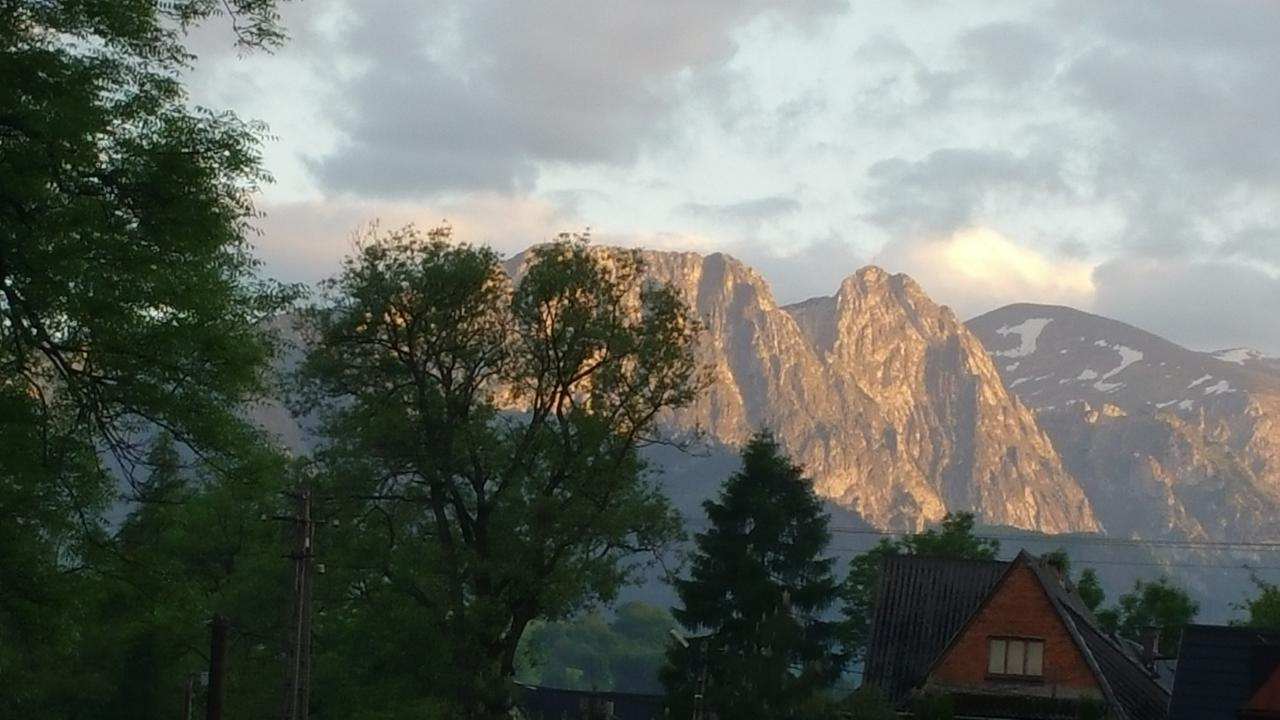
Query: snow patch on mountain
{"points": [[1128, 356], [1028, 333], [1222, 386], [1239, 355]]}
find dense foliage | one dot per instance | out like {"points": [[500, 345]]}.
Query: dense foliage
{"points": [[128, 302], [592, 652], [1160, 605], [757, 597], [481, 434], [1264, 609]]}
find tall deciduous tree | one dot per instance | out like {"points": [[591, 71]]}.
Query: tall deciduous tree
{"points": [[486, 433], [1159, 604], [758, 591], [954, 538], [128, 294]]}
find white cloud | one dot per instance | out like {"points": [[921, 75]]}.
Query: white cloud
{"points": [[305, 241], [977, 269]]}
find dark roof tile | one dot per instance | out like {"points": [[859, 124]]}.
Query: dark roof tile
{"points": [[1215, 675], [921, 603]]}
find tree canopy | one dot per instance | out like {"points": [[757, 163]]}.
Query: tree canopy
{"points": [[593, 652], [485, 432], [1155, 604], [129, 297], [1264, 609]]}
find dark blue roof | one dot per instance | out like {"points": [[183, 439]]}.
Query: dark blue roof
{"points": [[1219, 668]]}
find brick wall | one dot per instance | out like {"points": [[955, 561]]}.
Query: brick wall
{"points": [[1018, 608]]}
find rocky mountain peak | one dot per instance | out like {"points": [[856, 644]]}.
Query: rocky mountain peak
{"points": [[892, 405]]}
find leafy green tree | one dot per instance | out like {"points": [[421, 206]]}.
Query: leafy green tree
{"points": [[587, 653], [954, 538], [485, 433], [1264, 609], [759, 587], [129, 299], [196, 544], [1090, 589], [1159, 604]]}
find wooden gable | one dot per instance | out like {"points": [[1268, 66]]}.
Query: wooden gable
{"points": [[1018, 607]]}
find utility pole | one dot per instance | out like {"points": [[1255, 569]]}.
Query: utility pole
{"points": [[700, 691], [298, 691], [188, 697], [217, 663]]}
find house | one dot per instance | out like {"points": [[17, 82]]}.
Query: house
{"points": [[1000, 640], [1227, 673]]}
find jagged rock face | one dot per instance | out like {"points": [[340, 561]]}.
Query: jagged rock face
{"points": [[1165, 440], [891, 404]]}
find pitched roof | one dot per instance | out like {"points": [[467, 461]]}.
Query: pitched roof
{"points": [[1125, 682], [1216, 674], [1129, 685], [923, 604]]}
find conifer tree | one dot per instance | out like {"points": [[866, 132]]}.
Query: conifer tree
{"points": [[757, 596]]}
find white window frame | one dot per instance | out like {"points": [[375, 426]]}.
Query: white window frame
{"points": [[1012, 657]]}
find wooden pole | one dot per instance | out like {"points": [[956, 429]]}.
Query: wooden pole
{"points": [[298, 693], [217, 662], [188, 698]]}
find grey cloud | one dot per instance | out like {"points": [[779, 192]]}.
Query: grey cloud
{"points": [[1256, 242], [1073, 248], [888, 49], [1201, 304], [1177, 25], [1183, 94], [1010, 54], [1210, 117], [477, 95], [947, 189], [751, 211], [1163, 111], [814, 269]]}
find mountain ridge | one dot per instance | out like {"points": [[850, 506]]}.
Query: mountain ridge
{"points": [[1193, 438], [886, 397]]}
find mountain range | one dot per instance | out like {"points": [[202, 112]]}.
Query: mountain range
{"points": [[1041, 418], [1037, 417]]}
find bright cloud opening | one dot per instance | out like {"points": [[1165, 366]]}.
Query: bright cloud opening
{"points": [[977, 269]]}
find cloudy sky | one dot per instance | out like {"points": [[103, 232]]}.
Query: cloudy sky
{"points": [[1120, 156]]}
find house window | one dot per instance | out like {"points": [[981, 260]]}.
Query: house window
{"points": [[1016, 657]]}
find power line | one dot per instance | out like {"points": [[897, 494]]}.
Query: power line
{"points": [[1086, 562], [1256, 545]]}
